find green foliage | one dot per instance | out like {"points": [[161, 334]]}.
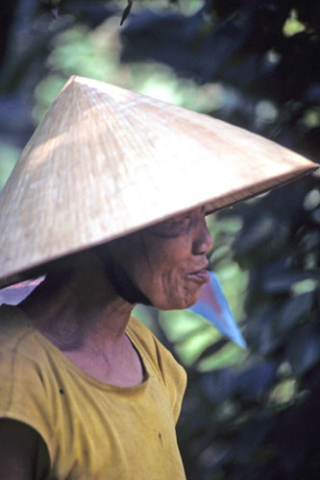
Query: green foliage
{"points": [[9, 155]]}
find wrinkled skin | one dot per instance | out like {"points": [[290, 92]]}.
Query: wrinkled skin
{"points": [[161, 260], [79, 311]]}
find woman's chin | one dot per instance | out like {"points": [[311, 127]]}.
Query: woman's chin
{"points": [[191, 302], [178, 303]]}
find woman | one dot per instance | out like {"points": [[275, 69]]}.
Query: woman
{"points": [[90, 323], [88, 392]]}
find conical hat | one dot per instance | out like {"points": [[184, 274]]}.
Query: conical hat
{"points": [[105, 162]]}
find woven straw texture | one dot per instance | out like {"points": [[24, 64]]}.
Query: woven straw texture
{"points": [[105, 162]]}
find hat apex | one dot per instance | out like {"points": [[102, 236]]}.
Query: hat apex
{"points": [[106, 161]]}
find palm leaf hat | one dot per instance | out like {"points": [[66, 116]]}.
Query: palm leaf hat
{"points": [[105, 162]]}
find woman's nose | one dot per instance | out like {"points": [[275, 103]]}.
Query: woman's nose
{"points": [[203, 241]]}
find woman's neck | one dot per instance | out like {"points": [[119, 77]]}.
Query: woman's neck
{"points": [[79, 310]]}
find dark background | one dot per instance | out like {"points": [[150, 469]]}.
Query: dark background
{"points": [[247, 415]]}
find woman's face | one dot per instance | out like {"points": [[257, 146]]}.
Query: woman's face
{"points": [[168, 261]]}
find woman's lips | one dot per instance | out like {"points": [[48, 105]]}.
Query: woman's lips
{"points": [[201, 276]]}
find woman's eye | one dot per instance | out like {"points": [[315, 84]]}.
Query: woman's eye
{"points": [[173, 227]]}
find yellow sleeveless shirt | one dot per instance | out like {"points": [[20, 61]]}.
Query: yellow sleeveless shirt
{"points": [[93, 431]]}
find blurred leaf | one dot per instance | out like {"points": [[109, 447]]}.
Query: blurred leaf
{"points": [[9, 155], [294, 310], [212, 349], [283, 392], [178, 324], [230, 355], [259, 240], [305, 286], [286, 281], [292, 25], [190, 349], [312, 199], [218, 385], [260, 334], [255, 381], [45, 92], [303, 350], [218, 254], [230, 224]]}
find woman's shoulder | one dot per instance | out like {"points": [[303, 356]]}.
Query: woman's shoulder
{"points": [[164, 366], [14, 326], [24, 351]]}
